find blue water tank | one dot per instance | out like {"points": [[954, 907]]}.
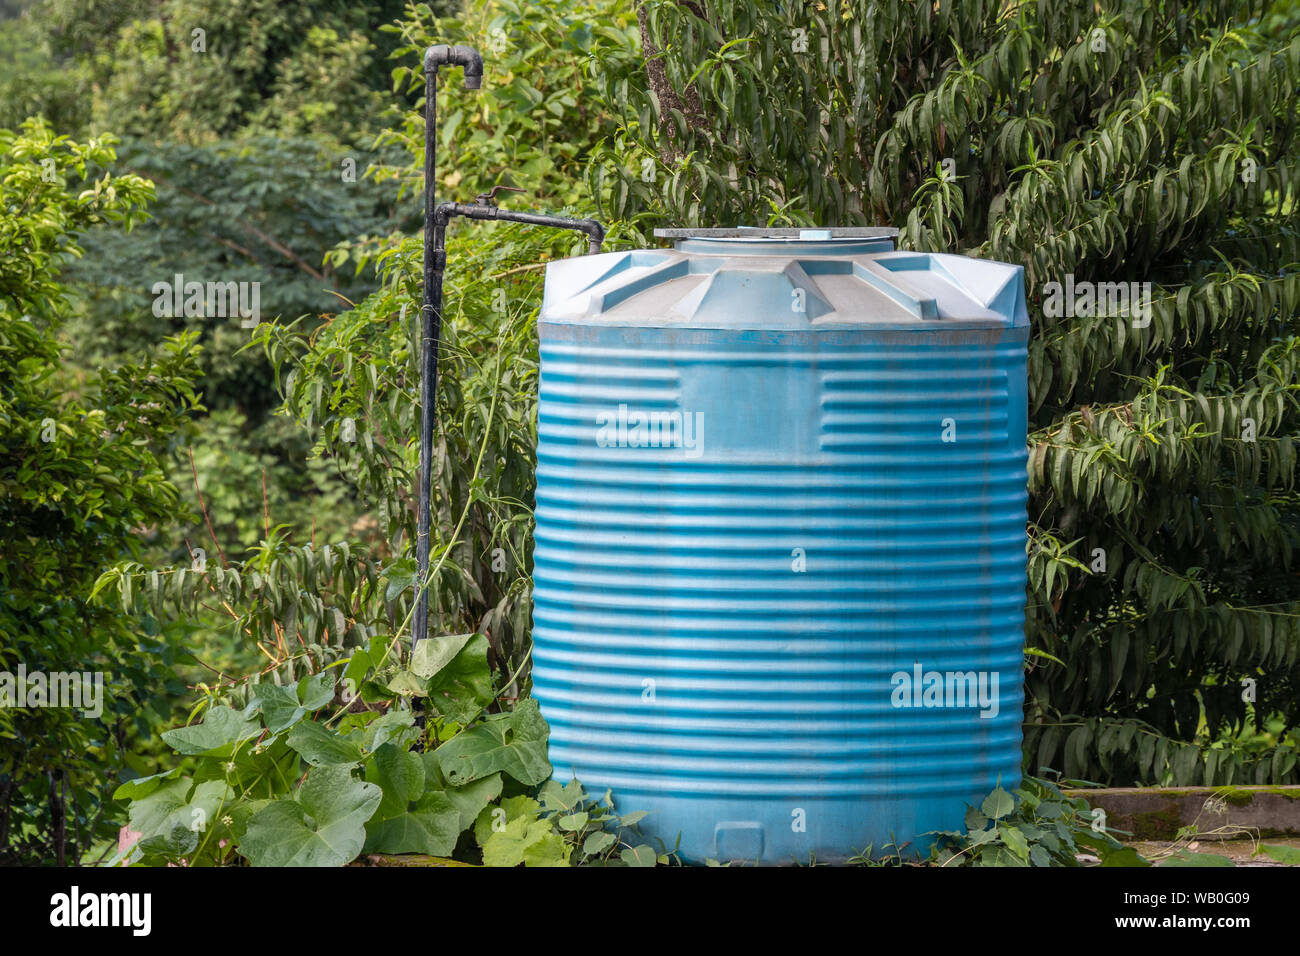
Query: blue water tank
{"points": [[779, 571]]}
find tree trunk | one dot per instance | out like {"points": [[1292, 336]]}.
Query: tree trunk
{"points": [[663, 92], [59, 826], [6, 804]]}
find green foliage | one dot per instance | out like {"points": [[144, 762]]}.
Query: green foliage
{"points": [[262, 211], [79, 472], [34, 82], [1185, 858], [198, 70], [1119, 142], [1288, 855], [1007, 133], [530, 125], [302, 607], [258, 144], [352, 383], [564, 826], [323, 825], [1038, 825], [362, 368], [306, 775], [254, 191]]}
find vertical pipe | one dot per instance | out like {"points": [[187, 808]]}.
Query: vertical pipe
{"points": [[435, 260], [430, 327]]}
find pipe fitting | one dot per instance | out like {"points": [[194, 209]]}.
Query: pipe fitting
{"points": [[465, 57], [445, 211], [595, 235]]}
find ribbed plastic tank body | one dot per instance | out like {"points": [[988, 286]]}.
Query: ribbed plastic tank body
{"points": [[780, 490]]}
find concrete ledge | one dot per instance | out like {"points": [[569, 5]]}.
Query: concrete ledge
{"points": [[1157, 813]]}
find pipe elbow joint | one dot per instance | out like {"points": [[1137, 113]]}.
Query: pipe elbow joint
{"points": [[595, 234], [473, 65], [465, 57], [436, 57], [442, 214]]}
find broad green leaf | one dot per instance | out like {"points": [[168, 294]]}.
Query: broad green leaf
{"points": [[321, 747], [1000, 856], [432, 654], [400, 774], [469, 799], [572, 822], [1289, 855], [1050, 810], [432, 826], [639, 856], [316, 690], [241, 812], [511, 808], [173, 843], [255, 773], [556, 797], [382, 729], [1100, 841], [597, 843], [323, 825], [1123, 856], [1015, 841], [401, 575], [403, 683], [279, 706], [143, 786], [513, 743], [221, 730], [509, 846], [359, 665], [462, 686], [550, 850], [473, 797], [178, 805], [997, 804], [1187, 858]]}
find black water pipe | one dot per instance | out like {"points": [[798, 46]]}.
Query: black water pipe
{"points": [[435, 58], [446, 211], [436, 217]]}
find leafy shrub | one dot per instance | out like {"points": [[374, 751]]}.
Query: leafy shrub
{"points": [[308, 775], [1037, 825], [80, 471], [530, 126]]}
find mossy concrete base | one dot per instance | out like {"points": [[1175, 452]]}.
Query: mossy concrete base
{"points": [[1157, 813]]}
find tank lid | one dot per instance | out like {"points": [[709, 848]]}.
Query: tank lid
{"points": [[782, 232]]}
